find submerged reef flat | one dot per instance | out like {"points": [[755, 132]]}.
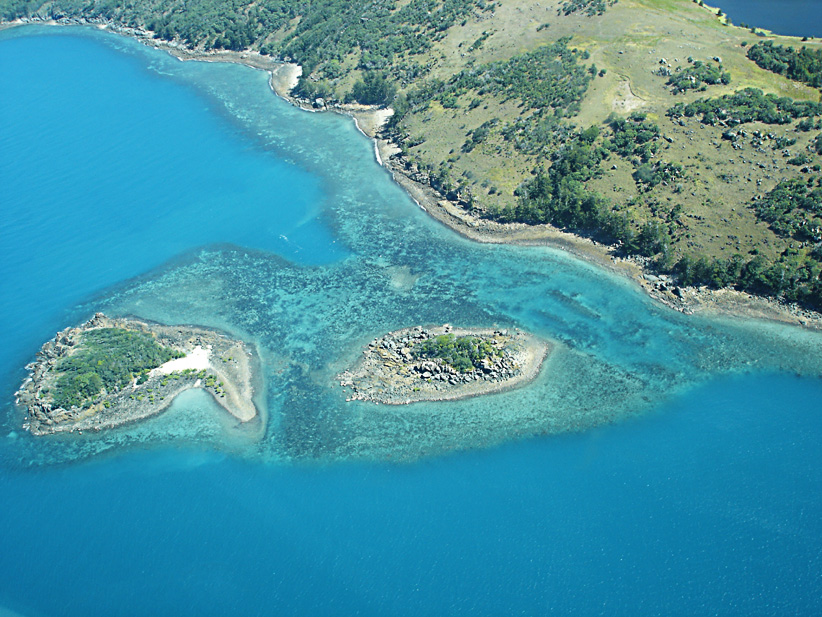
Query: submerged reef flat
{"points": [[443, 363], [108, 372]]}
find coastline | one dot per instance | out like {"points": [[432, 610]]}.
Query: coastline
{"points": [[369, 120], [687, 300]]}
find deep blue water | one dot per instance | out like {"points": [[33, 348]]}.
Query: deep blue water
{"points": [[709, 506], [661, 464], [789, 17]]}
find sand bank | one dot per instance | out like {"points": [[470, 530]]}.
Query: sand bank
{"points": [[197, 359]]}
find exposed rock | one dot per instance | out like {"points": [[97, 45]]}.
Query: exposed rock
{"points": [[389, 372]]}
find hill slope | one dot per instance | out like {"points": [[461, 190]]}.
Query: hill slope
{"points": [[641, 123]]}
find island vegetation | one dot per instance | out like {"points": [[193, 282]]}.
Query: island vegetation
{"points": [[745, 106], [698, 76], [463, 353], [655, 127], [442, 363], [803, 65], [106, 360], [109, 372], [589, 7]]}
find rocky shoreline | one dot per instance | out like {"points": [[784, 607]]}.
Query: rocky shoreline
{"points": [[455, 214], [662, 288], [213, 362], [391, 373]]}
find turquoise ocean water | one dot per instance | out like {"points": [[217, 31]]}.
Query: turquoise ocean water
{"points": [[661, 464]]}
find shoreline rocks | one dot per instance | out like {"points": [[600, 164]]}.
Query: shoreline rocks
{"points": [[213, 362], [390, 371]]}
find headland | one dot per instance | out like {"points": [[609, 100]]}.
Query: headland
{"points": [[632, 85]]}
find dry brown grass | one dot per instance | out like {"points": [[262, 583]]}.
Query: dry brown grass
{"points": [[628, 41]]}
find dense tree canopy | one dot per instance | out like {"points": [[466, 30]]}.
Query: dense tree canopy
{"points": [[107, 358], [804, 65]]}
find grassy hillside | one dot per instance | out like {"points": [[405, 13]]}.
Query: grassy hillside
{"points": [[652, 124]]}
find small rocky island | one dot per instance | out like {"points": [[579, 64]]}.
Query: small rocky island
{"points": [[443, 363], [108, 372]]}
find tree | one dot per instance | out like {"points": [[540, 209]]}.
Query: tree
{"points": [[372, 89]]}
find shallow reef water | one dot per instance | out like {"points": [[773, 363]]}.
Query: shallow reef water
{"points": [[294, 238], [660, 464]]}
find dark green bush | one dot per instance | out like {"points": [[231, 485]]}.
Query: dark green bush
{"points": [[107, 358], [464, 353]]}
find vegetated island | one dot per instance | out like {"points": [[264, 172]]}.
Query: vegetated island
{"points": [[108, 372], [443, 363]]}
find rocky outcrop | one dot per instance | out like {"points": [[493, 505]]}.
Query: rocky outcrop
{"points": [[391, 372]]}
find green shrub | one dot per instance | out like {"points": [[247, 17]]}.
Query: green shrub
{"points": [[106, 358], [463, 353]]}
